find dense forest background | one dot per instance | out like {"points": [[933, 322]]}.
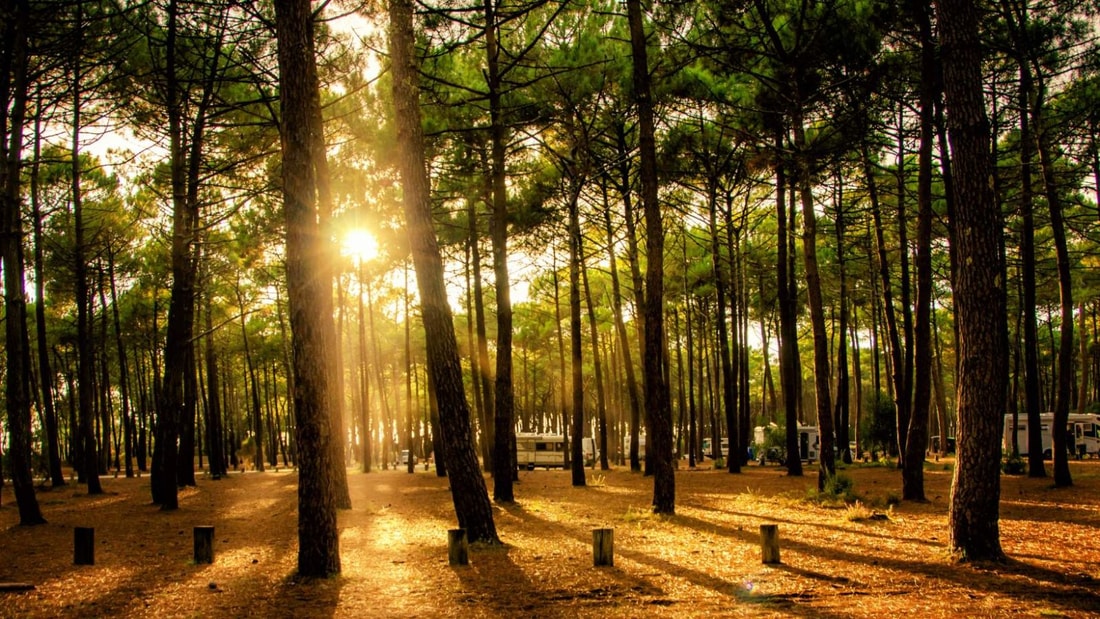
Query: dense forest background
{"points": [[805, 237]]}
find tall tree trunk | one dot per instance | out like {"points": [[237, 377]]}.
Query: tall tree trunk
{"points": [[1016, 16], [657, 406], [214, 429], [363, 374], [1061, 444], [973, 518], [788, 329], [617, 317], [843, 400], [255, 415], [89, 466], [504, 397], [822, 386], [13, 84], [53, 449], [576, 344], [729, 393], [917, 439], [480, 383], [123, 365], [635, 278], [468, 490], [598, 369], [563, 404], [310, 298], [893, 335]]}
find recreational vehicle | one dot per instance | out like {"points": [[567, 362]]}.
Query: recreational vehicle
{"points": [[808, 444], [1082, 433], [535, 450]]}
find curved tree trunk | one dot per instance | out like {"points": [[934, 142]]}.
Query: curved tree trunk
{"points": [[468, 491], [1061, 444]]}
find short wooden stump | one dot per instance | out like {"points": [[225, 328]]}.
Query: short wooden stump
{"points": [[769, 543], [458, 548], [83, 546], [204, 544], [603, 547]]}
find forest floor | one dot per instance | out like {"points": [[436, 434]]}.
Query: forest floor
{"points": [[868, 561]]}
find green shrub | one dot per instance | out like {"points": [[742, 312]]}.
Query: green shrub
{"points": [[1013, 465]]}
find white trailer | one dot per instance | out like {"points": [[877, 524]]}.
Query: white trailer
{"points": [[1082, 433], [535, 450], [809, 443]]}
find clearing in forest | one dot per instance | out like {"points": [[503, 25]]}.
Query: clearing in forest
{"points": [[868, 560]]}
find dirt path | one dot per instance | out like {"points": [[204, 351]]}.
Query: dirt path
{"points": [[705, 561]]}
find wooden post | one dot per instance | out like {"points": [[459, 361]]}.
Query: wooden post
{"points": [[769, 543], [603, 547], [457, 547], [83, 546], [204, 544]]}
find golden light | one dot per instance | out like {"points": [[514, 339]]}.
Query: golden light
{"points": [[359, 244]]}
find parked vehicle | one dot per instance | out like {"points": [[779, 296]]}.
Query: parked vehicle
{"points": [[403, 458], [1082, 434], [535, 450], [774, 450], [723, 445]]}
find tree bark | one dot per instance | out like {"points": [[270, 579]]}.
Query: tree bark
{"points": [[49, 408], [310, 299], [13, 84], [1061, 444], [917, 437], [468, 490], [658, 409], [980, 311]]}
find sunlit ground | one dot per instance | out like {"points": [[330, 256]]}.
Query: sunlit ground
{"points": [[704, 561]]}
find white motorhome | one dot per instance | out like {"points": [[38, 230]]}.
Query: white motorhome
{"points": [[1082, 432], [535, 450], [809, 442]]}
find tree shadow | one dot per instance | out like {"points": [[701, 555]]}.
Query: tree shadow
{"points": [[1049, 586], [627, 582]]}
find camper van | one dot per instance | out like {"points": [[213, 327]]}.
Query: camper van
{"points": [[535, 450], [808, 444], [724, 445], [1082, 431]]}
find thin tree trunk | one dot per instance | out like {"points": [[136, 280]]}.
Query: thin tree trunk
{"points": [[468, 490], [917, 442], [617, 317], [658, 409], [1060, 443], [13, 83], [576, 344], [788, 333], [53, 450], [597, 367]]}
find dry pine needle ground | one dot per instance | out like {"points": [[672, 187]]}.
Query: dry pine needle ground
{"points": [[870, 560]]}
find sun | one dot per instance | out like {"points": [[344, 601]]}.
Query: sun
{"points": [[359, 244]]}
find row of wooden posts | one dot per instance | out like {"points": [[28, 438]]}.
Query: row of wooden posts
{"points": [[84, 545], [603, 546]]}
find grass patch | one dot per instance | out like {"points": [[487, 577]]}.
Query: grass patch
{"points": [[839, 490], [860, 512]]}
